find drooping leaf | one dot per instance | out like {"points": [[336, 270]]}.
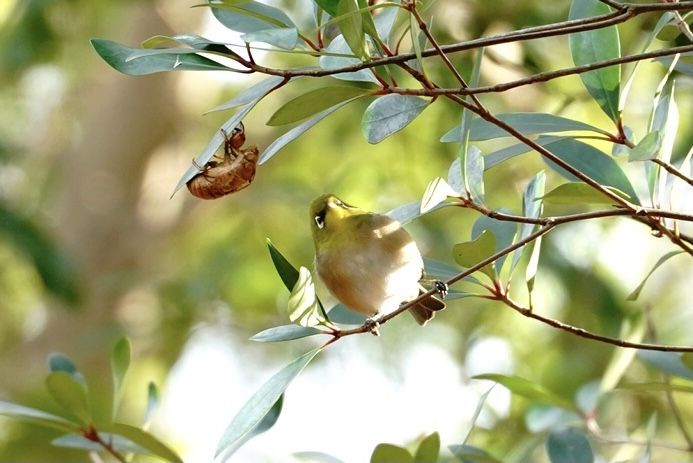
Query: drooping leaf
{"points": [[636, 292], [473, 173], [525, 123], [70, 394], [429, 449], [250, 94], [595, 45], [388, 453], [286, 271], [120, 362], [631, 331], [36, 416], [286, 37], [297, 131], [119, 58], [339, 46], [152, 403], [528, 389], [569, 446], [418, 40], [470, 454], [531, 207], [667, 362], [145, 440], [249, 16], [330, 6], [436, 192], [260, 404], [533, 266], [503, 231], [285, 333], [389, 114], [576, 193], [313, 102], [477, 411], [470, 253], [351, 26], [647, 148]]}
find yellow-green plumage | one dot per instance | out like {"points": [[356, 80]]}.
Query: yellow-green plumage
{"points": [[367, 261]]}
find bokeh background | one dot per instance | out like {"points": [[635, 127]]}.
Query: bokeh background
{"points": [[92, 247]]}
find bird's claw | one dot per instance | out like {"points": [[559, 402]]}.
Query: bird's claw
{"points": [[372, 326], [441, 288]]}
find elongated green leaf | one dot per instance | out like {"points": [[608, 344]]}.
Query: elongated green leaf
{"points": [[70, 394], [339, 46], [656, 387], [119, 443], [531, 207], [436, 192], [668, 362], [631, 331], [303, 305], [509, 152], [477, 411], [389, 114], [119, 58], [249, 16], [647, 148], [597, 45], [152, 403], [388, 453], [351, 26], [469, 454], [214, 144], [250, 94], [418, 40], [528, 389], [285, 37], [286, 271], [470, 253], [525, 123], [472, 163], [265, 424], [569, 446], [411, 211], [120, 362], [37, 416], [146, 441], [313, 102], [533, 266], [636, 292], [285, 333], [575, 193], [330, 6], [503, 231], [297, 131], [261, 403], [429, 449]]}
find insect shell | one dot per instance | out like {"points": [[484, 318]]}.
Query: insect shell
{"points": [[232, 173]]}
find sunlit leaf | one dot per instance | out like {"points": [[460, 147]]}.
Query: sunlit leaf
{"points": [[260, 404], [531, 207], [647, 148], [70, 394], [36, 416], [525, 123], [152, 403], [303, 305], [145, 440], [569, 446], [120, 362], [636, 292], [351, 26], [249, 16], [118, 443], [667, 362], [631, 331], [528, 389], [285, 333], [477, 412], [411, 211], [436, 192], [656, 387], [470, 253], [388, 453], [118, 57], [389, 114], [575, 193], [595, 45], [429, 449], [472, 164], [286, 37], [503, 231], [297, 131], [533, 266], [313, 102]]}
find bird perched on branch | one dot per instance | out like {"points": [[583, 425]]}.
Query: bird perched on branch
{"points": [[368, 261]]}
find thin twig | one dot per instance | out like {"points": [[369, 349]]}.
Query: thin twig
{"points": [[673, 171]]}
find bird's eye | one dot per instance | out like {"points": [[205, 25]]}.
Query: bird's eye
{"points": [[320, 220]]}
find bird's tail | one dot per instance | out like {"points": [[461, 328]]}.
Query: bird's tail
{"points": [[426, 309]]}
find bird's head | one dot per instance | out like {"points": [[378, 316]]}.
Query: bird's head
{"points": [[326, 215]]}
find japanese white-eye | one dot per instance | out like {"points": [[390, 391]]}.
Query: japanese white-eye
{"points": [[367, 260]]}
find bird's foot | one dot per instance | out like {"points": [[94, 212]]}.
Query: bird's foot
{"points": [[441, 287], [372, 326]]}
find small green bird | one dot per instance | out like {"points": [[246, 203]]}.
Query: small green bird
{"points": [[367, 260]]}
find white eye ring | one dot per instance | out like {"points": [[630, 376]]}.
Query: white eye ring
{"points": [[319, 221]]}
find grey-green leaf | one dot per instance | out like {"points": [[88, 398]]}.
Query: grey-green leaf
{"points": [[470, 454], [250, 94], [351, 26], [436, 192], [119, 443], [636, 292], [429, 449], [145, 440], [339, 46], [70, 394], [388, 453], [285, 37], [528, 389], [60, 362], [668, 362], [647, 148], [119, 57], [249, 16], [303, 305], [152, 403], [313, 102], [595, 45], [526, 123], [569, 446], [389, 114], [285, 333], [503, 231], [531, 207], [261, 403], [37, 416], [574, 193], [120, 362]]}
